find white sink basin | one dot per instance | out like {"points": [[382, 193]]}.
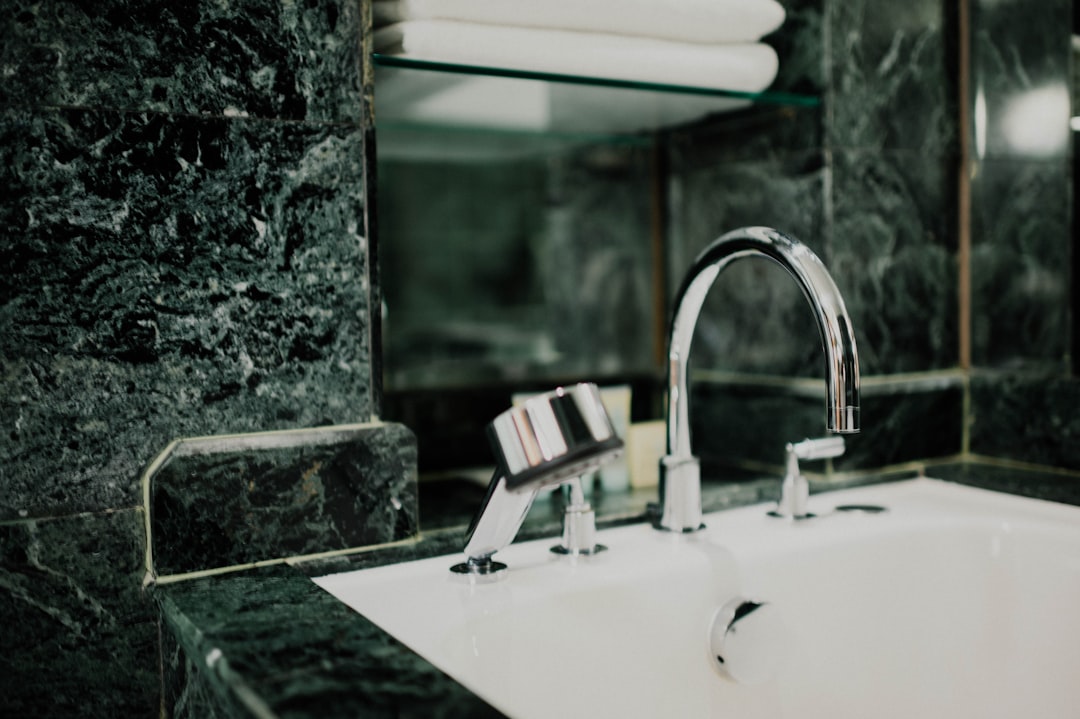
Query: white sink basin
{"points": [[956, 602]]}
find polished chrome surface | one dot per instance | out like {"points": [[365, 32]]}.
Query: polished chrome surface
{"points": [[579, 524], [495, 525], [679, 474], [795, 490], [550, 439], [553, 437]]}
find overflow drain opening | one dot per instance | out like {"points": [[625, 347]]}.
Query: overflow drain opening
{"points": [[864, 508]]}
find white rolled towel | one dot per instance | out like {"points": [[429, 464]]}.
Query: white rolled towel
{"points": [[746, 67], [705, 21]]}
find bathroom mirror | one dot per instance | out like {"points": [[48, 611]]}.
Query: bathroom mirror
{"points": [[523, 234]]}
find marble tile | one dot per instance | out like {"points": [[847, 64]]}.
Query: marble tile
{"points": [[187, 691], [1026, 418], [247, 58], [892, 252], [1020, 57], [219, 502], [800, 45], [891, 75], [596, 267], [756, 320], [710, 196], [1021, 264], [80, 639], [170, 276]]}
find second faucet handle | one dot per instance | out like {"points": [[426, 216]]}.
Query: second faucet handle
{"points": [[795, 491], [823, 448]]}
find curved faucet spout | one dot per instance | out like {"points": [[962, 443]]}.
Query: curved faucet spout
{"points": [[680, 475]]}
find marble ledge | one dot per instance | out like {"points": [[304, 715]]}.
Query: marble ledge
{"points": [[268, 642]]}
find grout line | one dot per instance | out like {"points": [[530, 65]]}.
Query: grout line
{"points": [[291, 561], [1017, 464], [964, 174], [917, 466], [151, 470]]}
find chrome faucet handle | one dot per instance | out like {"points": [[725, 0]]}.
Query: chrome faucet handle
{"points": [[579, 524], [795, 491]]}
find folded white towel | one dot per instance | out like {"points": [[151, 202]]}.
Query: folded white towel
{"points": [[748, 67], [385, 12], [706, 21]]}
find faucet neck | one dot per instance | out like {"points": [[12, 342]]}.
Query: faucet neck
{"points": [[837, 338]]}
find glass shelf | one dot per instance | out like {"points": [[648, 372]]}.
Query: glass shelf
{"points": [[767, 97], [444, 110]]}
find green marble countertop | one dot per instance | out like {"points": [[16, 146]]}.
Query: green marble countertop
{"points": [[268, 642]]}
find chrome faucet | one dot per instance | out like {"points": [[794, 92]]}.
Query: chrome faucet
{"points": [[551, 439], [680, 473]]}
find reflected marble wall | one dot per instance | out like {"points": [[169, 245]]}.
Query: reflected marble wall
{"points": [[867, 181], [1024, 296], [1021, 185]]}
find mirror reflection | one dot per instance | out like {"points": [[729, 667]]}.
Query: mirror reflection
{"points": [[532, 229]]}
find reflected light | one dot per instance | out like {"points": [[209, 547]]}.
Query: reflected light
{"points": [[1035, 122], [980, 123]]}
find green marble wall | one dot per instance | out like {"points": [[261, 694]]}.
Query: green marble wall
{"points": [[870, 181], [867, 180], [183, 250], [225, 502]]}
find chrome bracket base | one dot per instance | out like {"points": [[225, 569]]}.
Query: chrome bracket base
{"points": [[480, 567], [680, 495]]}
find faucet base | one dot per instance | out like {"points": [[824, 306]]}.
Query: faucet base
{"points": [[481, 567], [680, 495]]}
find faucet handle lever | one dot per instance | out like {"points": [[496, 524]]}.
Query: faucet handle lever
{"points": [[823, 448], [795, 491]]}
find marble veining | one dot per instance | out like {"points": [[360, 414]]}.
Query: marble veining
{"points": [[245, 58], [272, 640], [170, 276], [890, 85], [72, 610], [1014, 52], [1020, 267], [224, 502], [892, 252]]}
